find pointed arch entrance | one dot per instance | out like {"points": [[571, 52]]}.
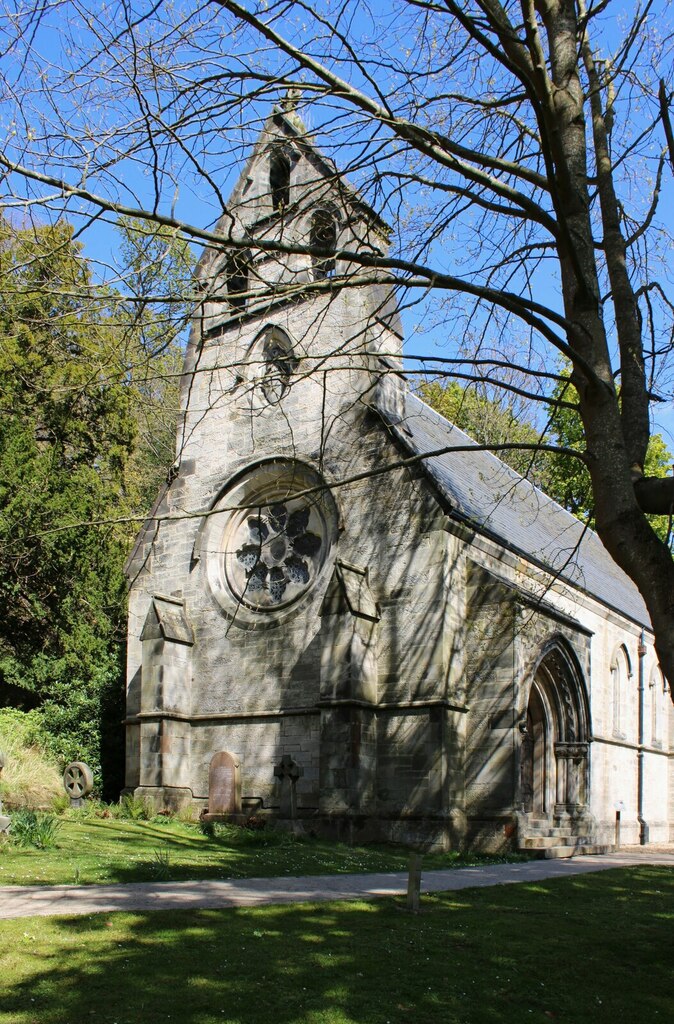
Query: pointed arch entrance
{"points": [[554, 762]]}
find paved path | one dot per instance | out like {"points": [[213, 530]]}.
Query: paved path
{"points": [[47, 901]]}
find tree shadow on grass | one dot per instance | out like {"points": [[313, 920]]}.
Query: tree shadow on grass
{"points": [[592, 948]]}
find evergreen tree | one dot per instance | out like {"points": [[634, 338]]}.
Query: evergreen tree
{"points": [[66, 430], [156, 270]]}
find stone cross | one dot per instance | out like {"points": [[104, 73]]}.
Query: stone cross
{"points": [[78, 782], [288, 771]]}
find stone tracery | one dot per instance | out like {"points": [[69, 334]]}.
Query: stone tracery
{"points": [[266, 547], [279, 550]]}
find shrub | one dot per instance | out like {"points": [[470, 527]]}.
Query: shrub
{"points": [[33, 828], [91, 808], [255, 835]]}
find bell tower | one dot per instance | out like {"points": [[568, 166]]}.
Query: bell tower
{"points": [[293, 356], [292, 336]]}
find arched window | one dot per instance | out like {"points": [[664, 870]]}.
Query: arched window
{"points": [[280, 363], [279, 180], [237, 279], [324, 238], [621, 671]]}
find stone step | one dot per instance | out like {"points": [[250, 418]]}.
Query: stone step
{"points": [[586, 849], [561, 837], [537, 824], [540, 842], [540, 826]]}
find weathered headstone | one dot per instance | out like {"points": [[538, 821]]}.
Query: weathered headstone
{"points": [[224, 784], [78, 782], [288, 771]]}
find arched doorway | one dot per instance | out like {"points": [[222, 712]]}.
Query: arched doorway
{"points": [[536, 771], [555, 733]]}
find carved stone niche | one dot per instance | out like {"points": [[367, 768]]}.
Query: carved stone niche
{"points": [[349, 625]]}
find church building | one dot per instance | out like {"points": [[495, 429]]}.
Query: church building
{"points": [[345, 616]]}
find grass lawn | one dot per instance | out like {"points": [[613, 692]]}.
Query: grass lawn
{"points": [[92, 851], [595, 949]]}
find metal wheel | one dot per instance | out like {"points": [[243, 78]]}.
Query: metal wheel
{"points": [[78, 780]]}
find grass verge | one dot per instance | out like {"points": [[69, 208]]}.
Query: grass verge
{"points": [[91, 851], [30, 777], [591, 948]]}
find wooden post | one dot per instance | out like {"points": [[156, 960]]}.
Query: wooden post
{"points": [[414, 883]]}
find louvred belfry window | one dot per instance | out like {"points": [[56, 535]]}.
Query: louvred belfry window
{"points": [[237, 280], [279, 181], [324, 239]]}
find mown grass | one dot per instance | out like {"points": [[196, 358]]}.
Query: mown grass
{"points": [[91, 851], [595, 948]]}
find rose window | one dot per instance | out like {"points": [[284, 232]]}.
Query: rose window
{"points": [[268, 539], [278, 551]]}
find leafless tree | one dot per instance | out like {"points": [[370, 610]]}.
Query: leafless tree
{"points": [[519, 149]]}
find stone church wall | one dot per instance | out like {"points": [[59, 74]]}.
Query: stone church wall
{"points": [[395, 657]]}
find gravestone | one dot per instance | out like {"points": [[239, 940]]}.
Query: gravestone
{"points": [[288, 771], [224, 784], [78, 782]]}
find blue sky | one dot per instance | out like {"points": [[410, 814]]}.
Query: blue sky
{"points": [[52, 53]]}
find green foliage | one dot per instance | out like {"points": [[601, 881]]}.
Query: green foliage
{"points": [[20, 730], [568, 480], [156, 268], [34, 828], [563, 477], [249, 835], [66, 431], [133, 808], [489, 422], [88, 412], [161, 865]]}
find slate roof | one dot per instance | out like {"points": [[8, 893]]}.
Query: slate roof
{"points": [[495, 500]]}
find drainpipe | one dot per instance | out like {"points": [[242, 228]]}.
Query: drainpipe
{"points": [[643, 825]]}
